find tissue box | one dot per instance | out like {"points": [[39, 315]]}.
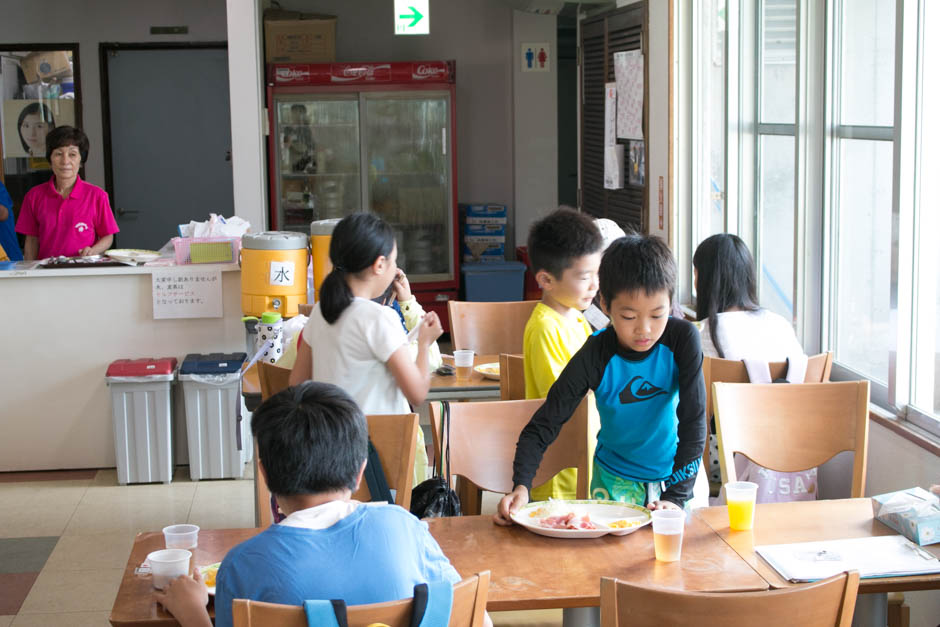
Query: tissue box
{"points": [[914, 513]]}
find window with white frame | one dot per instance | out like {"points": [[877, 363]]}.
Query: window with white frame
{"points": [[844, 84]]}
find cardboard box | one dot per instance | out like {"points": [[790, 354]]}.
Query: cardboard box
{"points": [[291, 37], [484, 220], [914, 513], [483, 211], [485, 230], [476, 250], [46, 64]]}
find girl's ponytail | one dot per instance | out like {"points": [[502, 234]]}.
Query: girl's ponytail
{"points": [[358, 240]]}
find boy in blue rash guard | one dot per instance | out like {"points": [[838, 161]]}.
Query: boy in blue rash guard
{"points": [[646, 373]]}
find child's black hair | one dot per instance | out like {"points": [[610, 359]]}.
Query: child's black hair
{"points": [[559, 238], [637, 262], [312, 438], [726, 280], [358, 240]]}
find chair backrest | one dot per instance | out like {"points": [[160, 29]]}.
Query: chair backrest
{"points": [[394, 439], [511, 377], [826, 603], [272, 379], [483, 438], [468, 609], [489, 328], [792, 427], [714, 369]]}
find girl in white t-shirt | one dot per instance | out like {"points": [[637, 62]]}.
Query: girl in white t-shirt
{"points": [[357, 344], [733, 324]]}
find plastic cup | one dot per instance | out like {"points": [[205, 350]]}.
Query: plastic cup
{"points": [[463, 362], [168, 564], [668, 525], [181, 536], [741, 496]]}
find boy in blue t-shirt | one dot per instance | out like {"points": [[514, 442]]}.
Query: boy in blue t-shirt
{"points": [[312, 448], [646, 373]]}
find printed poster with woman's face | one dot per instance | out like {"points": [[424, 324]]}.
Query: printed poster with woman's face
{"points": [[27, 122]]}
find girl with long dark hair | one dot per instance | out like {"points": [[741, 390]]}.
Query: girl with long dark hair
{"points": [[360, 345]]}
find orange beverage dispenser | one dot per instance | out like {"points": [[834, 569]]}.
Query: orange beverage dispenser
{"points": [[321, 233], [274, 272]]}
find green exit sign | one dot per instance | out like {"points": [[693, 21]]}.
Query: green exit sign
{"points": [[412, 17]]}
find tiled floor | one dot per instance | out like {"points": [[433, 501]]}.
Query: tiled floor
{"points": [[65, 539]]}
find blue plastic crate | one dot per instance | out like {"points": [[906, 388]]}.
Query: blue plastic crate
{"points": [[494, 281]]}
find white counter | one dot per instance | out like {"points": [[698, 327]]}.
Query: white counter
{"points": [[59, 331]]}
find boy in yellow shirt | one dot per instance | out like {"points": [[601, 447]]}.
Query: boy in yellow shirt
{"points": [[565, 253]]}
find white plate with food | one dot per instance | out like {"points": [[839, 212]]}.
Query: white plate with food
{"points": [[489, 371], [581, 519], [209, 574], [133, 255]]}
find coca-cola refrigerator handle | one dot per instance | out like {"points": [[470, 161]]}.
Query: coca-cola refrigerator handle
{"points": [[444, 141]]}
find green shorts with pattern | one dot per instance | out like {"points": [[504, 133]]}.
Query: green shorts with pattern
{"points": [[607, 486]]}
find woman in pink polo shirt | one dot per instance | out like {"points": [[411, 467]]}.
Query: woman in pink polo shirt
{"points": [[66, 216]]}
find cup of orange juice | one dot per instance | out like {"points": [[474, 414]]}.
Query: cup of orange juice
{"points": [[741, 496]]}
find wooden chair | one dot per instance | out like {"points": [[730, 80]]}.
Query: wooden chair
{"points": [[826, 603], [272, 380], [489, 328], [468, 609], [394, 439], [820, 419], [714, 369], [511, 377], [389, 434], [483, 440]]}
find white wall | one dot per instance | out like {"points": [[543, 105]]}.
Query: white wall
{"points": [[895, 464], [90, 23], [478, 35], [535, 123]]}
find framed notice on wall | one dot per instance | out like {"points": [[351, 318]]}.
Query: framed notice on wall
{"points": [[187, 292]]}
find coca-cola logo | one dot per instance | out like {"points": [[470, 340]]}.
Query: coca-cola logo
{"points": [[427, 71], [284, 74], [344, 73]]}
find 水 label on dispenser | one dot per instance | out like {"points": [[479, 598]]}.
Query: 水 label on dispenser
{"points": [[282, 273]]}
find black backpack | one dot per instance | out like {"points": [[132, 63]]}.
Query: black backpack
{"points": [[434, 498]]}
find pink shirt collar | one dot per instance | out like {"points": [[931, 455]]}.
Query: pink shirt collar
{"points": [[78, 191]]}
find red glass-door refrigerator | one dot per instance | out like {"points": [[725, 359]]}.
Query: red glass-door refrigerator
{"points": [[380, 137]]}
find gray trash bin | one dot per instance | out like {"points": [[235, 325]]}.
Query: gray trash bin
{"points": [[142, 407], [219, 440]]}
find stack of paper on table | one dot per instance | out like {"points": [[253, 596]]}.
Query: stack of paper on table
{"points": [[882, 556]]}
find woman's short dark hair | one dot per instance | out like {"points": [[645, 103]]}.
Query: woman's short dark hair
{"points": [[358, 240], [34, 108], [312, 438], [726, 280], [558, 239], [67, 136], [637, 262]]}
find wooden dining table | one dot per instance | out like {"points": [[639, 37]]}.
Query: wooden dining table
{"points": [[811, 521], [443, 387], [527, 570], [478, 387]]}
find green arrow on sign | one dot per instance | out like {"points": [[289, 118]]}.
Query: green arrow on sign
{"points": [[415, 16]]}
